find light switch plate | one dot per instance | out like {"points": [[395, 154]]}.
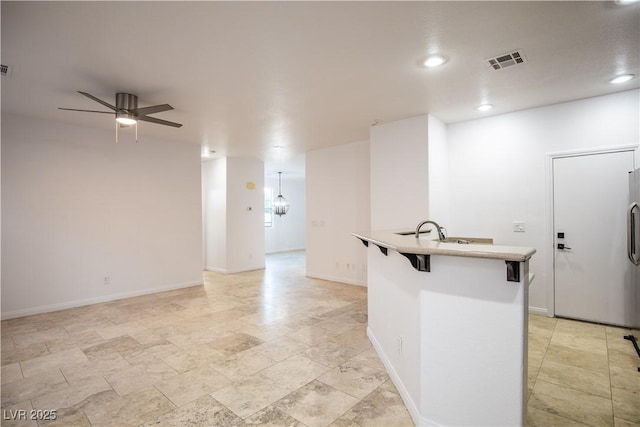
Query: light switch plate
{"points": [[519, 226]]}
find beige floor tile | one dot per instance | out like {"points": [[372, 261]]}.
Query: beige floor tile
{"points": [[280, 348], [192, 385], [626, 404], [295, 371], [133, 409], [355, 338], [52, 361], [66, 418], [331, 354], [114, 331], [6, 342], [86, 324], [13, 355], [123, 345], [131, 379], [81, 340], [589, 381], [250, 394], [242, 364], [265, 332], [271, 417], [311, 335], [32, 388], [580, 329], [98, 366], [383, 407], [624, 378], [541, 418], [338, 325], [354, 378], [26, 340], [580, 343], [616, 341], [234, 343], [572, 404], [75, 394], [193, 358], [185, 341], [203, 412], [11, 373], [624, 359], [370, 358], [542, 326], [619, 422], [316, 404], [582, 359]]}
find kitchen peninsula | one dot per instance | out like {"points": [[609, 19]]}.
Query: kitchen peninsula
{"points": [[449, 321]]}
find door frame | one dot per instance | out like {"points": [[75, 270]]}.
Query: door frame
{"points": [[549, 221]]}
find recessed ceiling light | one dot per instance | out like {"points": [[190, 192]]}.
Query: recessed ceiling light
{"points": [[484, 107], [432, 61], [621, 78], [623, 2]]}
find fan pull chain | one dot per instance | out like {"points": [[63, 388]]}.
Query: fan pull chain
{"points": [[116, 132], [136, 132]]}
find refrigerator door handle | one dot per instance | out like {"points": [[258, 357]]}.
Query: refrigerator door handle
{"points": [[632, 248]]}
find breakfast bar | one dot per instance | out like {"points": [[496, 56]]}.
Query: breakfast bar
{"points": [[448, 318]]}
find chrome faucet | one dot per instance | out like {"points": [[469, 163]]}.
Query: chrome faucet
{"points": [[441, 235]]}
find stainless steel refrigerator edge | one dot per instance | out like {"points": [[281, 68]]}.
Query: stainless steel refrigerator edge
{"points": [[632, 306]]}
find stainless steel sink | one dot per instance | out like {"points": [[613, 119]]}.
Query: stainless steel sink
{"points": [[469, 240]]}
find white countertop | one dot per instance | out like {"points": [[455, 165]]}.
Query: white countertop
{"points": [[426, 245]]}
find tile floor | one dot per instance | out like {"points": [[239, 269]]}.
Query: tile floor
{"points": [[272, 347]]}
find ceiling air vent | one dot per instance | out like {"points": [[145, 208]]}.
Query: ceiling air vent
{"points": [[5, 71], [506, 60]]}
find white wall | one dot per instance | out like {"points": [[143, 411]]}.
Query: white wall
{"points": [[399, 173], [233, 201], [288, 231], [214, 203], [245, 214], [77, 207], [497, 170], [337, 190], [438, 172]]}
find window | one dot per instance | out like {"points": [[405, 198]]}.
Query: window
{"points": [[268, 207]]}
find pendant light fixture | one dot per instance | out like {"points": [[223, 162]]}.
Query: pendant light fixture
{"points": [[280, 204]]}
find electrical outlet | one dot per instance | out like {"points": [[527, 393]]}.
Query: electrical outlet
{"points": [[519, 226], [107, 280]]}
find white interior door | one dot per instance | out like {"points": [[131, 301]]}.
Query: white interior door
{"points": [[590, 197]]}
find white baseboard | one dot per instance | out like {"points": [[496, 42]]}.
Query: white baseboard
{"points": [[539, 311], [223, 271], [282, 251], [97, 300], [345, 280], [418, 419], [215, 269]]}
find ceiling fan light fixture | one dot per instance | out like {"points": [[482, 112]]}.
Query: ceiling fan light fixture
{"points": [[126, 119]]}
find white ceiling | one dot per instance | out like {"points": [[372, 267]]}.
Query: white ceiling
{"points": [[244, 77]]}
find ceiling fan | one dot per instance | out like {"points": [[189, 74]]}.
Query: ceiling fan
{"points": [[127, 112]]}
